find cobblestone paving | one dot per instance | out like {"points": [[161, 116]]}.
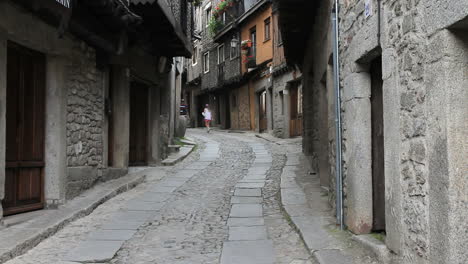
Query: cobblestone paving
{"points": [[191, 227]]}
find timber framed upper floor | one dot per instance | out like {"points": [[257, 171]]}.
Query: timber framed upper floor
{"points": [[223, 47]]}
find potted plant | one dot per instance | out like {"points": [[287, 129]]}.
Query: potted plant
{"points": [[214, 25], [246, 44]]}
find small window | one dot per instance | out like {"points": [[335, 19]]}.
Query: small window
{"points": [[195, 56], [279, 37], [206, 62], [267, 29], [253, 37], [221, 55], [207, 15]]}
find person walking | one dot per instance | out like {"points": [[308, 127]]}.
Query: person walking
{"points": [[207, 116]]}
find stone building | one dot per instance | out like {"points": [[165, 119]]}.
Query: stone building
{"points": [[234, 80], [403, 107], [82, 88]]}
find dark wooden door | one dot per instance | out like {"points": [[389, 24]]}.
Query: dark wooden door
{"points": [[138, 124], [263, 112], [25, 118], [295, 123], [378, 172], [109, 107]]}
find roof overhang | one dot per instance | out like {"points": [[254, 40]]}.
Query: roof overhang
{"points": [[295, 18], [167, 33]]}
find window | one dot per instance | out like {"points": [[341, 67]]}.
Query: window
{"points": [[207, 15], [267, 29], [195, 56], [234, 51], [253, 38], [279, 38], [206, 62], [221, 55]]}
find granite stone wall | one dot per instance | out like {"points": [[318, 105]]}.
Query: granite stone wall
{"points": [[403, 34], [85, 115]]}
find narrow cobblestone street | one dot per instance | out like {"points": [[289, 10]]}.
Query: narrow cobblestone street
{"points": [[220, 205]]}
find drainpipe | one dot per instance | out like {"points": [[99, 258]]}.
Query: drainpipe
{"points": [[339, 158]]}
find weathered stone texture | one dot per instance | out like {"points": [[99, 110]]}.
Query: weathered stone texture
{"points": [[414, 74], [85, 109]]}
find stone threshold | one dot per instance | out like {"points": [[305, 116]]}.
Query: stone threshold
{"points": [[377, 247], [312, 216], [27, 233], [178, 156]]}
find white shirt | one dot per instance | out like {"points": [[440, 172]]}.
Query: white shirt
{"points": [[207, 114]]}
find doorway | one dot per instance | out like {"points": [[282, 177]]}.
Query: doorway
{"points": [[262, 112], [378, 159], [138, 124], [25, 126], [295, 123]]}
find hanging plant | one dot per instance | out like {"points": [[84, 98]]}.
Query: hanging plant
{"points": [[214, 26], [197, 2], [222, 7]]}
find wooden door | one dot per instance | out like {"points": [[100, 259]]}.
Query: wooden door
{"points": [[263, 112], [295, 123], [378, 172], [25, 118], [138, 124]]}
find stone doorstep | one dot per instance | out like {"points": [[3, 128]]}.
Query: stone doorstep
{"points": [[27, 235], [176, 157], [375, 246]]}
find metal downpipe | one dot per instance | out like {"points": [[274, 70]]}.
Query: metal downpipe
{"points": [[339, 158]]}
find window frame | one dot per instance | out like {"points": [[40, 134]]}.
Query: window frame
{"points": [[208, 14], [206, 62], [223, 53], [267, 23], [195, 55]]}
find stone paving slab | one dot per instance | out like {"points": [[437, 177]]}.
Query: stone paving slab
{"points": [[237, 233], [246, 221], [314, 231], [255, 177], [331, 256], [140, 205], [162, 189], [134, 216], [248, 192], [95, 251], [250, 185], [244, 180], [28, 234], [246, 210], [113, 235], [246, 200], [293, 196], [121, 225], [154, 197], [172, 182], [248, 252]]}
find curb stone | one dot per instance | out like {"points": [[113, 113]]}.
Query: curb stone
{"points": [[178, 156]]}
